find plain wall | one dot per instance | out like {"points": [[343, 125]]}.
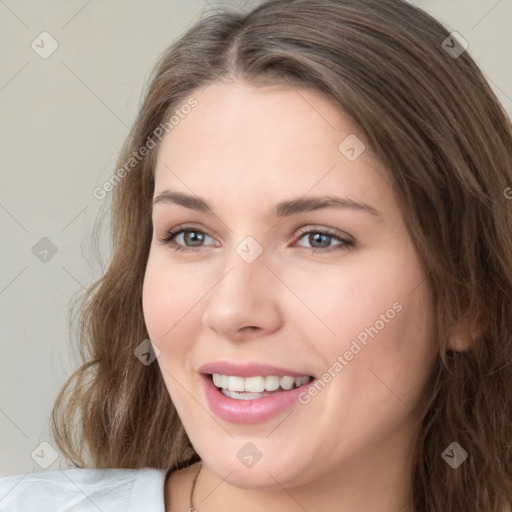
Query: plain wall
{"points": [[63, 120]]}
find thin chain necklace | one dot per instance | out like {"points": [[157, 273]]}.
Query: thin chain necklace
{"points": [[192, 508]]}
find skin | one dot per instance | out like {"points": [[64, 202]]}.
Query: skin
{"points": [[243, 149]]}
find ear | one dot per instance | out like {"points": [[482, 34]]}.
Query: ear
{"points": [[465, 333], [460, 338]]}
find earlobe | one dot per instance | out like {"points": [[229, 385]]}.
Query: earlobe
{"points": [[460, 339], [464, 334]]}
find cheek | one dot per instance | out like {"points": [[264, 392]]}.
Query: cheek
{"points": [[169, 302], [387, 353], [380, 318], [170, 298], [345, 301]]}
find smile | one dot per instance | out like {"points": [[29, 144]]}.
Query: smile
{"points": [[226, 400], [252, 388]]}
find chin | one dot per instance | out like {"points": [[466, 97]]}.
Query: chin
{"points": [[271, 471]]}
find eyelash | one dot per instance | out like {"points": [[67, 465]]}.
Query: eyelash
{"points": [[169, 237]]}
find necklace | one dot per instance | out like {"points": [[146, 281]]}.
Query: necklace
{"points": [[192, 508]]}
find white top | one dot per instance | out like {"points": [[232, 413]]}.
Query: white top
{"points": [[84, 490]]}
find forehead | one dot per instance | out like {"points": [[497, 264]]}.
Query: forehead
{"points": [[238, 115], [241, 140]]}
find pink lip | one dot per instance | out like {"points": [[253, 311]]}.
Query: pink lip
{"points": [[250, 411], [247, 370]]}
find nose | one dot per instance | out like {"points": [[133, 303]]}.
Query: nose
{"points": [[244, 302]]}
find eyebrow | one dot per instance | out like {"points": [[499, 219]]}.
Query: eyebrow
{"points": [[283, 209]]}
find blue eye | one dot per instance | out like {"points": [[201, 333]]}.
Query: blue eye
{"points": [[179, 232], [321, 239], [192, 239]]}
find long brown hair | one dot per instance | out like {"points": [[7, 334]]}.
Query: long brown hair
{"points": [[435, 123]]}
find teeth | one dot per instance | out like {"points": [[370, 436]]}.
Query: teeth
{"points": [[256, 385], [235, 383], [300, 381], [217, 380], [287, 382], [242, 396], [272, 383]]}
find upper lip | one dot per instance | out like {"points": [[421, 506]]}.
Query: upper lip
{"points": [[248, 369]]}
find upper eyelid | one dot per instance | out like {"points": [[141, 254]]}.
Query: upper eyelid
{"points": [[301, 230], [189, 227]]}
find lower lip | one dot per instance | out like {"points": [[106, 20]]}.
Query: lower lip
{"points": [[249, 411]]}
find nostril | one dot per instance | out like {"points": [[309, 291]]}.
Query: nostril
{"points": [[249, 328]]}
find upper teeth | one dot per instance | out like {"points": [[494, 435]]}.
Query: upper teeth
{"points": [[257, 384]]}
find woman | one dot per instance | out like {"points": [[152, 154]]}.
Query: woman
{"points": [[311, 225]]}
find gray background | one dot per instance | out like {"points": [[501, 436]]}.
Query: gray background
{"points": [[63, 120]]}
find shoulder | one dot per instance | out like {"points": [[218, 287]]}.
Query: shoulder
{"points": [[84, 490]]}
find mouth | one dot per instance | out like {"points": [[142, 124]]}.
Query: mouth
{"points": [[249, 393], [256, 387]]}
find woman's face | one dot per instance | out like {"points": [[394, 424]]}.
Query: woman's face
{"points": [[289, 258]]}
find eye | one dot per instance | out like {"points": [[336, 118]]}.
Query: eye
{"points": [[320, 240], [185, 239]]}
